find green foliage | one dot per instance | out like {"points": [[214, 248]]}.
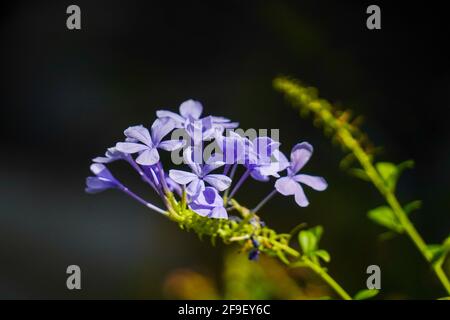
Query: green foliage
{"points": [[384, 216], [412, 206], [390, 173], [309, 244], [346, 133], [439, 252], [366, 294]]}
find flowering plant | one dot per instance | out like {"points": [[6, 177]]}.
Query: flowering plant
{"points": [[202, 196]]}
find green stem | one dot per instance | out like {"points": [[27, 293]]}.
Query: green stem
{"points": [[327, 278], [307, 98], [391, 199]]}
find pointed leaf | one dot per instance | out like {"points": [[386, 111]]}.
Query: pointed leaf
{"points": [[307, 241], [385, 216], [365, 294], [389, 173], [414, 205], [323, 254]]}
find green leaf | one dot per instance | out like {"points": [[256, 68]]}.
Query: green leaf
{"points": [[359, 173], [384, 216], [282, 257], [391, 172], [414, 205], [317, 231], [309, 239], [438, 252], [323, 254], [365, 294]]}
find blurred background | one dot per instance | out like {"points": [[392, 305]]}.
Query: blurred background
{"points": [[67, 95]]}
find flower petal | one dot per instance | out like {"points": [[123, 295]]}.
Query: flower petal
{"points": [[300, 155], [219, 213], [161, 128], [192, 156], [130, 147], [300, 197], [139, 133], [256, 174], [191, 108], [286, 186], [218, 181], [179, 120], [182, 177], [317, 183], [148, 157], [170, 145], [101, 171], [220, 119], [95, 184], [214, 162], [195, 188]]}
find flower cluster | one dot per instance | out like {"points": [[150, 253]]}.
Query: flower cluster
{"points": [[206, 184]]}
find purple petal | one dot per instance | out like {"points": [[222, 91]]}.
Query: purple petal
{"points": [[219, 213], [182, 177], [264, 147], [191, 108], [220, 119], [300, 155], [171, 145], [228, 125], [101, 171], [300, 197], [179, 120], [200, 209], [286, 186], [281, 159], [161, 128], [218, 181], [192, 157], [195, 188], [148, 157], [173, 186], [139, 133], [255, 174], [209, 197], [232, 147], [317, 183], [95, 184], [102, 160], [130, 147]]}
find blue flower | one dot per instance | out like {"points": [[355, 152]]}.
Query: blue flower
{"points": [[290, 185], [200, 174], [103, 179], [209, 203], [190, 111], [139, 140]]}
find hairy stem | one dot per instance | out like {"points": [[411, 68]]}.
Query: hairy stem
{"points": [[230, 231]]}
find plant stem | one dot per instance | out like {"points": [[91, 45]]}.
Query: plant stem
{"points": [[139, 199], [239, 183], [307, 98], [391, 199], [264, 201], [327, 278]]}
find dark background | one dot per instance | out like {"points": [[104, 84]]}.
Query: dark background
{"points": [[67, 95]]}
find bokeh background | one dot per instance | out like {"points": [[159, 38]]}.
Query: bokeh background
{"points": [[67, 95]]}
